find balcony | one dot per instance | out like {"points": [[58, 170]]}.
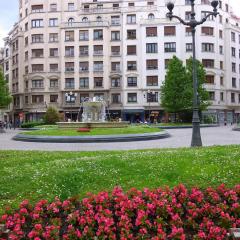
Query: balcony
{"points": [[83, 70], [83, 53], [69, 69], [86, 24], [115, 54], [99, 10], [98, 53]]}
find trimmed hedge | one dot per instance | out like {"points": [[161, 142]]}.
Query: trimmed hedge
{"points": [[161, 214], [32, 124]]}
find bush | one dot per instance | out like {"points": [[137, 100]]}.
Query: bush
{"points": [[161, 214], [51, 116], [31, 124]]}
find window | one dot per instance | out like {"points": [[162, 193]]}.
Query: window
{"points": [[131, 34], [211, 96], [221, 96], [115, 20], [98, 34], [208, 63], [220, 34], [69, 83], [207, 47], [37, 8], [70, 21], [69, 66], [221, 49], [152, 64], [26, 99], [131, 50], [53, 52], [151, 31], [233, 52], [221, 65], [115, 50], [234, 82], [131, 19], [170, 47], [99, 19], [187, 2], [152, 97], [151, 16], [37, 38], [152, 80], [221, 81], [151, 48], [84, 19], [53, 98], [188, 31], [98, 49], [53, 22], [205, 13], [84, 82], [132, 81], [233, 97], [115, 35], [83, 35], [38, 83], [233, 36], [84, 97], [115, 82], [37, 99], [131, 4], [132, 97], [37, 23], [189, 47], [115, 67], [209, 79], [69, 51], [98, 66], [169, 31], [207, 31], [187, 16], [71, 7], [131, 65], [234, 67], [166, 62], [53, 83], [83, 66], [37, 68], [116, 98], [37, 53], [53, 37], [220, 19], [53, 7], [98, 82], [83, 51], [69, 36]]}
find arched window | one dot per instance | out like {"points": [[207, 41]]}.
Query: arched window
{"points": [[84, 19], [70, 21], [99, 19], [151, 16]]}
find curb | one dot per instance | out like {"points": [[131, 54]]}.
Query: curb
{"points": [[92, 139], [188, 126]]}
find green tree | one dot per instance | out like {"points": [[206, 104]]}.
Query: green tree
{"points": [[172, 98], [5, 97], [202, 92], [51, 116]]}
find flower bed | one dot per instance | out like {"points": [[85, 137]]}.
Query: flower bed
{"points": [[83, 130], [159, 214]]}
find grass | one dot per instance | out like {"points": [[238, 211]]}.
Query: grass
{"points": [[94, 131], [35, 175]]}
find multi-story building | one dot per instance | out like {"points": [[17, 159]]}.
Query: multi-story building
{"points": [[117, 50]]}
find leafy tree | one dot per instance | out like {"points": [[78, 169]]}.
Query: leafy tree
{"points": [[51, 116], [202, 92], [172, 98], [5, 97]]}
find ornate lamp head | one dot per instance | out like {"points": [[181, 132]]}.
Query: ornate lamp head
{"points": [[170, 7], [214, 4]]}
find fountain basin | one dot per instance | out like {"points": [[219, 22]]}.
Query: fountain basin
{"points": [[76, 125]]}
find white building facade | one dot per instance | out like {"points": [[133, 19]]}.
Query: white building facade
{"points": [[117, 50]]}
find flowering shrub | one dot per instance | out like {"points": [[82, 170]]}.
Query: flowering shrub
{"points": [[84, 130], [175, 214]]}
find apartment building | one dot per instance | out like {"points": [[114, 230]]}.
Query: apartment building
{"points": [[116, 50]]}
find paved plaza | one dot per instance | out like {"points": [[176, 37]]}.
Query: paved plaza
{"points": [[179, 138]]}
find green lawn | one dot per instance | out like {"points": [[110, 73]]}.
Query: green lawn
{"points": [[34, 175], [94, 131]]}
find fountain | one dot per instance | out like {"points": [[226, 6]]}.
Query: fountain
{"points": [[93, 116]]}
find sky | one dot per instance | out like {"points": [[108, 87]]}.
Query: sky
{"points": [[9, 15]]}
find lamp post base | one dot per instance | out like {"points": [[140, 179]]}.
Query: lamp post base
{"points": [[196, 135]]}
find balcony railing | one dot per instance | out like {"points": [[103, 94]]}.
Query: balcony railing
{"points": [[86, 24]]}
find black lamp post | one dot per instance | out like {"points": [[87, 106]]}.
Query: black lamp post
{"points": [[71, 98], [193, 23]]}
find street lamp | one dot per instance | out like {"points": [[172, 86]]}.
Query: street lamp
{"points": [[193, 23], [149, 96], [71, 98]]}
